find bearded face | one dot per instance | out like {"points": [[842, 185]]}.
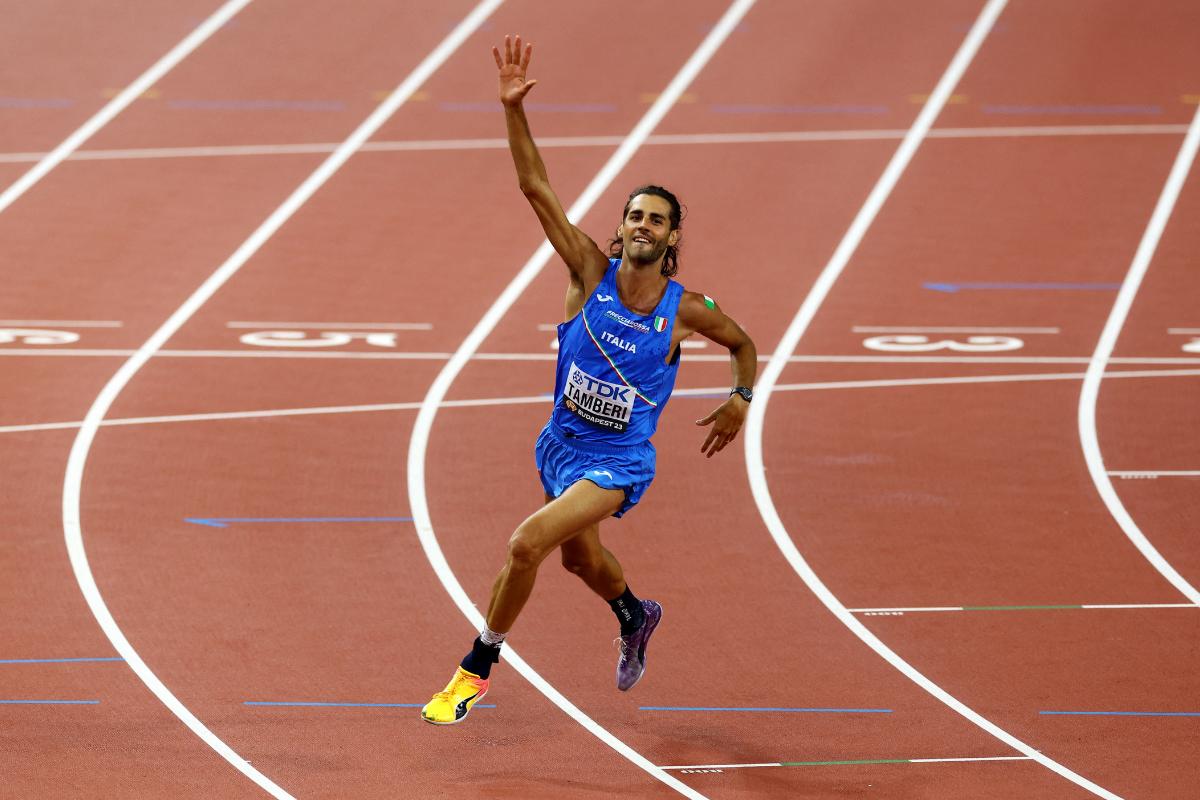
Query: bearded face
{"points": [[646, 230]]}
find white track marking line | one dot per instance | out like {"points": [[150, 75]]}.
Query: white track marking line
{"points": [[344, 326], [1154, 473], [1067, 607], [864, 762], [113, 107], [541, 398], [71, 527], [781, 137], [1183, 331], [419, 443], [32, 352], [65, 323], [919, 329], [73, 480], [808, 309], [1088, 435], [1144, 605]]}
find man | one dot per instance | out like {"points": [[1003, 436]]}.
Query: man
{"points": [[617, 359]]}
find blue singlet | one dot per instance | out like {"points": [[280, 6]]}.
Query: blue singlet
{"points": [[613, 378]]}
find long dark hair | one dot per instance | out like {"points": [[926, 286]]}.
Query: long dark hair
{"points": [[671, 261]]}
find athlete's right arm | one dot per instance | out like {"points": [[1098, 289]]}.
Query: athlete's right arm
{"points": [[581, 255]]}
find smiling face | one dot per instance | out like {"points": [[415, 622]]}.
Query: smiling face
{"points": [[646, 230]]}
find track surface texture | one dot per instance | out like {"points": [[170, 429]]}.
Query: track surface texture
{"points": [[238, 491]]}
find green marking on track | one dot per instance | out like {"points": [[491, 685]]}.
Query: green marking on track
{"points": [[839, 763], [1016, 608]]}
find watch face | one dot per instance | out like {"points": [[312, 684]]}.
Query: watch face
{"points": [[746, 394]]}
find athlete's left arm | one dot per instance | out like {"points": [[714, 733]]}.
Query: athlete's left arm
{"points": [[700, 314]]}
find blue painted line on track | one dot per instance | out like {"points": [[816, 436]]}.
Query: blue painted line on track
{"points": [[1123, 713], [493, 105], [792, 710], [225, 522], [49, 702], [1073, 109], [36, 102], [951, 288], [55, 660], [345, 705], [258, 105], [751, 108]]}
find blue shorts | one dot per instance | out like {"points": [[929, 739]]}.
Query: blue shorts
{"points": [[563, 461]]}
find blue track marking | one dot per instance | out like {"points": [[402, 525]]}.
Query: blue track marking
{"points": [[55, 660], [49, 702], [951, 288], [345, 705], [1073, 109], [258, 105], [791, 710], [36, 102], [740, 108], [225, 522], [571, 108], [1123, 713]]}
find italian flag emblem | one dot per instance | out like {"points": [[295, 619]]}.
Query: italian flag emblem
{"points": [[660, 324]]}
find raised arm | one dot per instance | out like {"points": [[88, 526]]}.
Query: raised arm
{"points": [[583, 258]]}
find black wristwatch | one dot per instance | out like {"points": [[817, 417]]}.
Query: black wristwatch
{"points": [[743, 391]]}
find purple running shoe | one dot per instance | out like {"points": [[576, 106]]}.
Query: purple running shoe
{"points": [[632, 661]]}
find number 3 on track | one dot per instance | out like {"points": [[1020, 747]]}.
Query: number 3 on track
{"points": [[913, 343]]}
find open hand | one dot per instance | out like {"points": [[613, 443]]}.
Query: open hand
{"points": [[513, 64], [728, 419]]}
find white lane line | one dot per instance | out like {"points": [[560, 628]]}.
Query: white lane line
{"points": [[925, 609], [1088, 435], [352, 355], [113, 107], [63, 323], [341, 326], [419, 443], [1154, 473], [1145, 605], [717, 391], [754, 425], [919, 329], [70, 501], [73, 480], [608, 141], [856, 762], [1183, 331]]}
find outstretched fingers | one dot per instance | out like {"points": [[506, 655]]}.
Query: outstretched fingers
{"points": [[496, 55]]}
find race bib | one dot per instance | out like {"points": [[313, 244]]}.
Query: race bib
{"points": [[606, 405]]}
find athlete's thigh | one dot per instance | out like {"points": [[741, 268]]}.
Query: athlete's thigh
{"points": [[582, 506]]}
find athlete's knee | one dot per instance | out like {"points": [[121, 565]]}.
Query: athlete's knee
{"points": [[524, 550]]}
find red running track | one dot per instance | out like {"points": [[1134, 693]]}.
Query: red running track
{"points": [[917, 496]]}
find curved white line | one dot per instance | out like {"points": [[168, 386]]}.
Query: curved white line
{"points": [[73, 480], [808, 309], [419, 443], [1088, 436]]}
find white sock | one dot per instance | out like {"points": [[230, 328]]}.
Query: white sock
{"points": [[489, 636]]}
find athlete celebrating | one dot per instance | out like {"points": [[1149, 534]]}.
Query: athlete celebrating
{"points": [[617, 359]]}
